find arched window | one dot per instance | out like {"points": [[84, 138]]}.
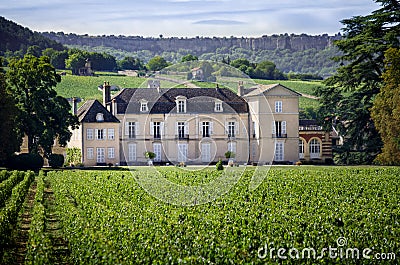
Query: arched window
{"points": [[301, 148], [315, 149]]}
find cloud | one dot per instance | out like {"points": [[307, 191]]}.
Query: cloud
{"points": [[218, 22]]}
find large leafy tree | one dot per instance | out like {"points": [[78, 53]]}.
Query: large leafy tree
{"points": [[43, 115], [9, 130], [349, 95], [157, 63], [386, 110]]}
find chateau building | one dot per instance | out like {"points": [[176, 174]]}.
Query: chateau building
{"points": [[258, 125]]}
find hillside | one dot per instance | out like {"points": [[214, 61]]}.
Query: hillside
{"points": [[15, 37], [291, 53]]}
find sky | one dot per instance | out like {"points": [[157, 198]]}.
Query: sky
{"points": [[185, 18]]}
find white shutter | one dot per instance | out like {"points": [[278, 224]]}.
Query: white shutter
{"points": [[162, 128], [176, 128], [126, 128], [211, 127], [151, 128], [137, 128], [283, 127], [96, 134], [236, 128], [273, 127], [226, 127], [200, 129], [104, 134], [186, 129]]}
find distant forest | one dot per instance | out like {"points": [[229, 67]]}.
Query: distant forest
{"points": [[290, 53]]}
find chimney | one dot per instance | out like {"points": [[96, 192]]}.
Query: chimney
{"points": [[114, 106], [106, 93], [74, 105], [154, 84], [240, 91]]}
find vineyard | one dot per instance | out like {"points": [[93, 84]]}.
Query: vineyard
{"points": [[106, 217]]}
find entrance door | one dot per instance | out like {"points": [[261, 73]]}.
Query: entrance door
{"points": [[100, 155], [182, 152], [206, 152], [157, 151]]}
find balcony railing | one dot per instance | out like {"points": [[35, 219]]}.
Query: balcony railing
{"points": [[182, 136], [281, 135]]}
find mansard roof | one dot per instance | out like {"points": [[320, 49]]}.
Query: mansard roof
{"points": [[89, 110], [199, 100]]}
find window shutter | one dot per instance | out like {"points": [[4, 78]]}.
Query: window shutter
{"points": [[96, 134], [104, 134], [126, 128], [200, 128], [176, 128], [162, 128], [273, 127], [236, 128], [186, 128], [283, 127], [151, 128], [226, 128], [211, 127], [137, 129]]}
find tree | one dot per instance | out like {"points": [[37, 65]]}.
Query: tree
{"points": [[9, 130], [43, 115], [386, 110], [76, 61], [347, 100], [189, 57], [130, 63], [157, 63]]}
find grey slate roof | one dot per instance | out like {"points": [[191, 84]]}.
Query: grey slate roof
{"points": [[88, 111], [262, 89], [199, 100]]}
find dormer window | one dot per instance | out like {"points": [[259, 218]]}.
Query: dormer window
{"points": [[99, 117], [143, 106], [180, 104], [218, 106]]}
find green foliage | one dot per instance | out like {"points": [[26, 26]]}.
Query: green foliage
{"points": [[26, 161], [149, 155], [157, 63], [10, 133], [219, 166], [347, 102], [386, 110], [189, 57], [56, 160], [74, 156], [102, 213], [8, 184], [130, 63], [9, 213], [230, 154], [44, 116]]}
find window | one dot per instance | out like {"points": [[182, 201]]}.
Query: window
{"points": [[111, 152], [301, 149], [182, 152], [181, 128], [143, 106], [218, 106], [156, 129], [157, 151], [131, 129], [131, 152], [99, 117], [89, 152], [100, 155], [231, 128], [181, 106], [206, 152], [254, 129], [100, 134], [111, 134], [89, 134], [279, 151], [315, 149], [279, 129], [205, 129], [278, 106]]}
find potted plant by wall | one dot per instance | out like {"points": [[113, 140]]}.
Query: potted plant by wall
{"points": [[230, 156], [150, 156]]}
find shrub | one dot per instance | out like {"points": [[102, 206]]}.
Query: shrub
{"points": [[56, 160], [219, 165], [26, 162]]}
